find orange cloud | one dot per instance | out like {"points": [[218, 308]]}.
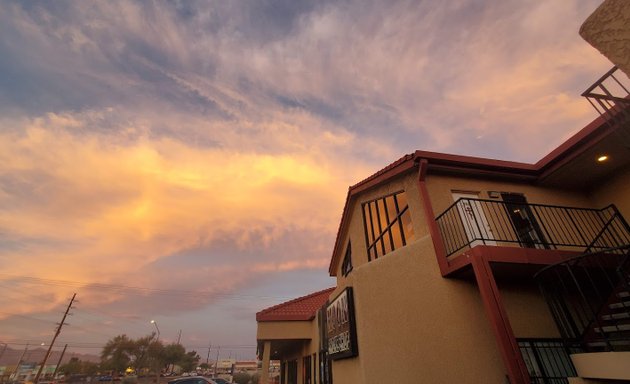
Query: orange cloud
{"points": [[85, 207]]}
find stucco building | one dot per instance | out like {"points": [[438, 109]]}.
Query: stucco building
{"points": [[457, 269]]}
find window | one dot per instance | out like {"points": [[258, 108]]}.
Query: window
{"points": [[548, 360], [346, 266], [387, 224], [306, 377], [325, 368]]}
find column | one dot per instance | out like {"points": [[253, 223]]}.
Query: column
{"points": [[264, 376]]}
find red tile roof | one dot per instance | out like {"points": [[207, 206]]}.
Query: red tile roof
{"points": [[302, 308]]}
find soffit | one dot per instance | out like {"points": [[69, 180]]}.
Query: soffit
{"points": [[583, 172]]}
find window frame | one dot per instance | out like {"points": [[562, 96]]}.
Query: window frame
{"points": [[346, 264], [375, 243]]}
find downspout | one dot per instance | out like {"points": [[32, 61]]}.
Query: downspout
{"points": [[429, 215]]}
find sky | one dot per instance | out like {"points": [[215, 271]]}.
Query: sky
{"points": [[188, 161]]}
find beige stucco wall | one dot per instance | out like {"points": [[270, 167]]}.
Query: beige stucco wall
{"points": [[279, 330], [527, 310], [608, 30], [411, 322], [415, 326], [441, 188], [615, 190]]}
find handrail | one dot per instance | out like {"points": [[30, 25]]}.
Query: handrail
{"points": [[529, 204], [588, 298], [468, 222], [585, 255]]}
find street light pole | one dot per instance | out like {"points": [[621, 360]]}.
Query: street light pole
{"points": [[157, 329], [157, 371]]}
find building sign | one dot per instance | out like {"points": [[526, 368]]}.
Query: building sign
{"points": [[341, 331]]}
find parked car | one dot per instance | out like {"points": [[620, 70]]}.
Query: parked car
{"points": [[192, 380], [219, 380]]}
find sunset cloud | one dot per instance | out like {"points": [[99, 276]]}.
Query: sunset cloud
{"points": [[207, 147]]}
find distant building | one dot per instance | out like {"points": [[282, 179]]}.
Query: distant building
{"points": [[457, 269], [225, 366], [249, 367]]}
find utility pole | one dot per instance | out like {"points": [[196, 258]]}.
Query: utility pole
{"points": [[179, 337], [17, 367], [216, 363], [4, 349], [59, 362], [208, 356], [57, 332]]}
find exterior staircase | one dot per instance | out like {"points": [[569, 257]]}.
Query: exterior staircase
{"points": [[589, 297]]}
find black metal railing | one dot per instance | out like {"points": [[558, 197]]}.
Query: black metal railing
{"points": [[610, 96], [548, 361], [589, 298], [469, 222]]}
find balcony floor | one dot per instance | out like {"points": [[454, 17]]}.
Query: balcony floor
{"points": [[508, 261]]}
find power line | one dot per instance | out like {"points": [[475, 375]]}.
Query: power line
{"points": [[100, 345], [28, 317], [167, 292]]}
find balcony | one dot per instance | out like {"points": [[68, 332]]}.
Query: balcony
{"points": [[470, 222]]}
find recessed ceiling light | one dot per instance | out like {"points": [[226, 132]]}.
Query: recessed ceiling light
{"points": [[602, 158]]}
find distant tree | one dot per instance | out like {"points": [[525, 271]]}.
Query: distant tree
{"points": [[173, 354], [140, 352], [204, 366], [76, 366], [72, 367], [90, 368], [189, 361], [156, 356], [145, 354], [118, 354]]}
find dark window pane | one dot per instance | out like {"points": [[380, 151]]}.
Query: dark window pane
{"points": [[396, 235], [346, 266], [368, 223], [402, 201], [391, 208], [407, 227], [387, 242], [382, 213], [375, 223], [377, 248]]}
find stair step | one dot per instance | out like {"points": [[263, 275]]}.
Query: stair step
{"points": [[623, 304], [613, 328], [603, 343], [617, 316], [623, 294], [612, 342]]}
